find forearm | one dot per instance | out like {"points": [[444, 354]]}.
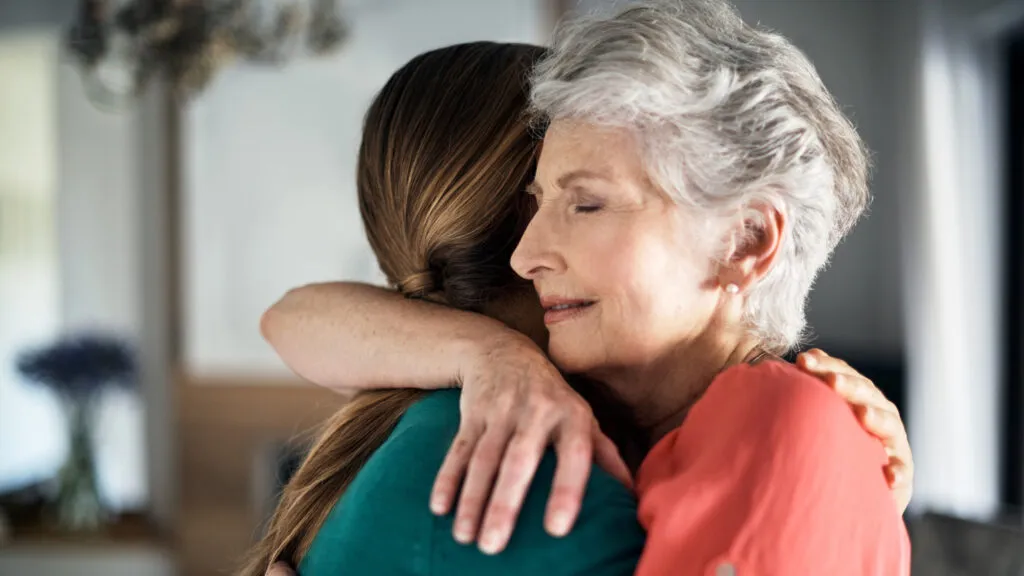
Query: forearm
{"points": [[350, 336]]}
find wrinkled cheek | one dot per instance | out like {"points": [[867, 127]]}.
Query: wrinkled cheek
{"points": [[625, 323], [654, 308]]}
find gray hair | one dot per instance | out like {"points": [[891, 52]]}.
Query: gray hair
{"points": [[727, 116]]}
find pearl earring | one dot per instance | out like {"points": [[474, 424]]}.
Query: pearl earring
{"points": [[732, 288]]}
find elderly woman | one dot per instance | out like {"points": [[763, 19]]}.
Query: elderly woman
{"points": [[695, 176]]}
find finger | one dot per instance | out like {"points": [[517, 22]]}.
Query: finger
{"points": [[607, 456], [280, 569], [849, 383], [857, 389], [888, 427], [446, 484], [818, 363], [900, 475], [898, 448], [882, 424], [575, 452], [822, 355], [896, 473], [483, 466], [517, 470]]}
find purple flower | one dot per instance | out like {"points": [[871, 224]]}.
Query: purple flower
{"points": [[79, 366]]}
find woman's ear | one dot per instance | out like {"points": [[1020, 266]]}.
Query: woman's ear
{"points": [[754, 247]]}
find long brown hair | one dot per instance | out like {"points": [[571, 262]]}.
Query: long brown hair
{"points": [[445, 157]]}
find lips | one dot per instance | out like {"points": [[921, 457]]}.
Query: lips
{"points": [[562, 309]]}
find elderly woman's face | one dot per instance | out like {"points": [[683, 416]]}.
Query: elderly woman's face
{"points": [[611, 256]]}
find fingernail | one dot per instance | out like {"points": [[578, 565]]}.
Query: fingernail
{"points": [[439, 504], [464, 531], [491, 542], [809, 360], [559, 525]]}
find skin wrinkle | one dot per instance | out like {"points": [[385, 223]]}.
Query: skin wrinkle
{"points": [[656, 294]]}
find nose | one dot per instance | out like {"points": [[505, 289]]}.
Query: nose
{"points": [[537, 252]]}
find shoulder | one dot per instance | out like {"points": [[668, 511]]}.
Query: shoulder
{"points": [[772, 473], [417, 446], [779, 385], [606, 539], [402, 470], [779, 401], [382, 522], [769, 424], [424, 432]]}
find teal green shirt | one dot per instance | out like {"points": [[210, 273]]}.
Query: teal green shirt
{"points": [[382, 524]]}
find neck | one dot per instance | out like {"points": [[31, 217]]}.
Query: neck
{"points": [[661, 392]]}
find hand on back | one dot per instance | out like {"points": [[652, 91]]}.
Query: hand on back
{"points": [[514, 405]]}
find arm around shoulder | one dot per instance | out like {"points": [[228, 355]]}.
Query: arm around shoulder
{"points": [[351, 336]]}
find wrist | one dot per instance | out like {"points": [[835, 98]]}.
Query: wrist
{"points": [[481, 349]]}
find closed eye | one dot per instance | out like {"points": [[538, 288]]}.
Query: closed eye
{"points": [[586, 208]]}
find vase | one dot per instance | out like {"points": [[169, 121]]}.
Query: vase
{"points": [[77, 506]]}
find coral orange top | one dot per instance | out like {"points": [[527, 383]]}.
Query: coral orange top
{"points": [[770, 475]]}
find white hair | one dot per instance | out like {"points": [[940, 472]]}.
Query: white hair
{"points": [[727, 116]]}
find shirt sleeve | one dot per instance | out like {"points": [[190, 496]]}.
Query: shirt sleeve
{"points": [[770, 474]]}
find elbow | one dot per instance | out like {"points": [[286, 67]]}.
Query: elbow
{"points": [[286, 327], [279, 327], [284, 317], [272, 320], [267, 324]]}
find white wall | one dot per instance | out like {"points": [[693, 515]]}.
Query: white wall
{"points": [[97, 211], [99, 236], [269, 171], [115, 265]]}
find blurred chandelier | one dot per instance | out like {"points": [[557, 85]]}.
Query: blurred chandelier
{"points": [[121, 45]]}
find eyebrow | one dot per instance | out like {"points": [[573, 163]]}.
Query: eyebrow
{"points": [[566, 179], [584, 174]]}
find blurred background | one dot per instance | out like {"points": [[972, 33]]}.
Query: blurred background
{"points": [[164, 182]]}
